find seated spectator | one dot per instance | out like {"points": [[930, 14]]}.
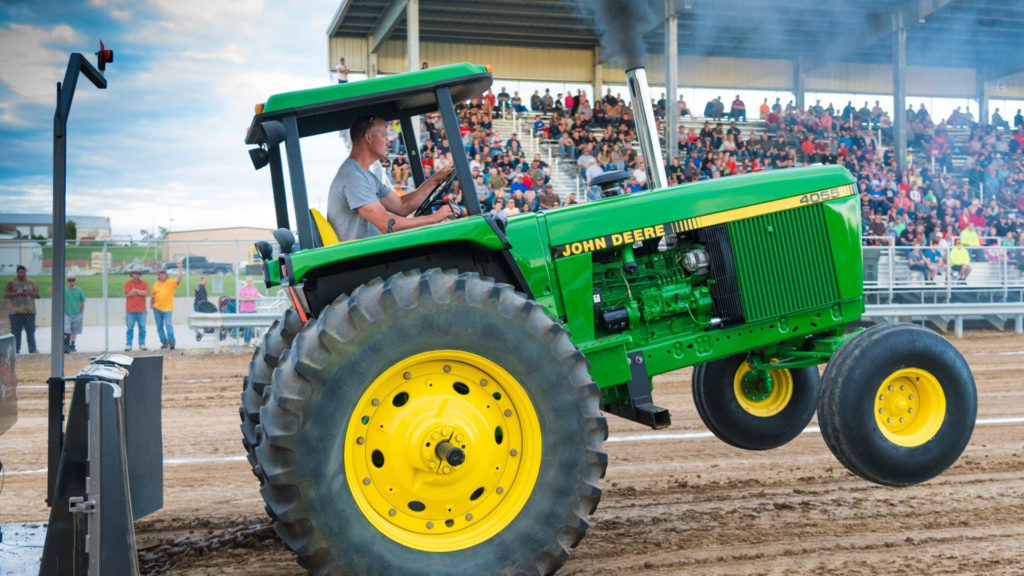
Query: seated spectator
{"points": [[566, 147], [764, 110], [684, 110], [960, 260], [969, 237], [517, 103], [998, 122], [518, 185], [917, 262], [540, 129], [547, 102], [738, 111], [547, 199], [936, 260], [877, 229]]}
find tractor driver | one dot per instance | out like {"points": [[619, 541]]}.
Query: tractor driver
{"points": [[359, 205]]}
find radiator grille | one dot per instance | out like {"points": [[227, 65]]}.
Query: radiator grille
{"points": [[784, 262]]}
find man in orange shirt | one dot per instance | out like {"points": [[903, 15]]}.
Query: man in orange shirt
{"points": [[162, 302], [135, 292]]}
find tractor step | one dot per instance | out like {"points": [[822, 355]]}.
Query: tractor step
{"points": [[640, 408], [648, 414]]}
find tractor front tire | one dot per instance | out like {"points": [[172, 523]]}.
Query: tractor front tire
{"points": [[434, 423], [744, 418], [897, 404], [255, 386]]}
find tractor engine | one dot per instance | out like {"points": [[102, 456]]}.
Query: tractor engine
{"points": [[658, 287]]}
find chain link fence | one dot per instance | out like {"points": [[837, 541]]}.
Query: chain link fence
{"points": [[101, 269]]}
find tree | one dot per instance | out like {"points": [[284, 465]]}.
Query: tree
{"points": [[70, 230]]}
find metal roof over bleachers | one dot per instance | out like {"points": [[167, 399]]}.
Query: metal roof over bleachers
{"points": [[981, 34]]}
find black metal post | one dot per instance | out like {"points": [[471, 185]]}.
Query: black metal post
{"points": [[65, 94]]}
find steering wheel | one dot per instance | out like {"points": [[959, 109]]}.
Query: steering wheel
{"points": [[436, 196]]}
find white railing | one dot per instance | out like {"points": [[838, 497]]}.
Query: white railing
{"points": [[993, 290]]}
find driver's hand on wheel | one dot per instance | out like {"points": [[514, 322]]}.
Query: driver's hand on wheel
{"points": [[443, 213], [443, 173]]}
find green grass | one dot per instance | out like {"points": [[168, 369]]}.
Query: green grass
{"points": [[116, 253], [93, 284]]}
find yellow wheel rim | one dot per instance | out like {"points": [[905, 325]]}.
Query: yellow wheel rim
{"points": [[910, 407], [759, 402], [423, 496]]}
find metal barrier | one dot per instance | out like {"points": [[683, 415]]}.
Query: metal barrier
{"points": [[993, 291]]}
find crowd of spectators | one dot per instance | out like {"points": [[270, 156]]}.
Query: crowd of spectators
{"points": [[929, 205], [507, 182]]}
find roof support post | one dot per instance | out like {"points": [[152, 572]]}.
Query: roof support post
{"points": [[298, 180], [451, 129], [412, 34], [411, 140], [899, 90], [798, 82], [371, 59], [277, 182], [671, 80], [598, 77], [981, 75]]}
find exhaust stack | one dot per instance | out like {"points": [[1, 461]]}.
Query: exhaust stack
{"points": [[646, 127]]}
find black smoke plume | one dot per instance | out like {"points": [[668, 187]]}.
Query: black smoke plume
{"points": [[622, 25]]}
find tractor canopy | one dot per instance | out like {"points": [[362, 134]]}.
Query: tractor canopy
{"points": [[288, 117], [333, 108]]}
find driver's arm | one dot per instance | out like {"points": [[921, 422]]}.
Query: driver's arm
{"points": [[407, 204], [375, 213]]}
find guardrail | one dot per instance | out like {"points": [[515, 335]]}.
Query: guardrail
{"points": [[993, 291]]}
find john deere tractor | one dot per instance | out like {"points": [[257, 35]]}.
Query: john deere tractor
{"points": [[434, 401]]}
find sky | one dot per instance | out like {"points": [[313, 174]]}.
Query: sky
{"points": [[163, 144]]}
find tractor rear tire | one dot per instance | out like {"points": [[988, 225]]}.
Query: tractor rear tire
{"points": [[897, 404], [352, 457], [754, 423], [255, 386]]}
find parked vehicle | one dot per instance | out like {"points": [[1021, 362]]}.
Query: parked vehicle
{"points": [[200, 265]]}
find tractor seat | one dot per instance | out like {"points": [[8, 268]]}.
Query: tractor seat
{"points": [[323, 232]]}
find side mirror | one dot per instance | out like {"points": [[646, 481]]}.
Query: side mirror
{"points": [[260, 157], [285, 239], [265, 250]]}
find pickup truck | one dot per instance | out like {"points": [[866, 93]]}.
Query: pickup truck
{"points": [[200, 265]]}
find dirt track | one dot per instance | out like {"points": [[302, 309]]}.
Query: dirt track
{"points": [[675, 506]]}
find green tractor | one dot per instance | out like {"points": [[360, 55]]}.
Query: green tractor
{"points": [[434, 401]]}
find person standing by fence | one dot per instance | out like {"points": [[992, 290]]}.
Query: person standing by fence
{"points": [[135, 292], [162, 302], [23, 292], [247, 296], [74, 309]]}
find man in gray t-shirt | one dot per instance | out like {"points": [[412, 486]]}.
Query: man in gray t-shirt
{"points": [[359, 205]]}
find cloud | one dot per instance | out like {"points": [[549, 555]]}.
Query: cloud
{"points": [[198, 14], [229, 53], [165, 140], [33, 57]]}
